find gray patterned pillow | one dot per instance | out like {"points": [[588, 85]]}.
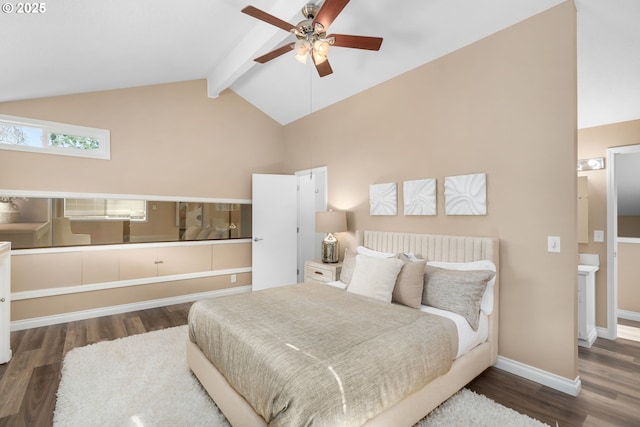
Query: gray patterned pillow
{"points": [[457, 291]]}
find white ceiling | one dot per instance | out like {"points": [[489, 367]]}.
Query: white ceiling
{"points": [[81, 46]]}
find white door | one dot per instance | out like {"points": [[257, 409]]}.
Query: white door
{"points": [[5, 303], [312, 198], [274, 248]]}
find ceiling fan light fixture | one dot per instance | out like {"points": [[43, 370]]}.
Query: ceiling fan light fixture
{"points": [[312, 34], [318, 59], [321, 47], [302, 48], [302, 58]]}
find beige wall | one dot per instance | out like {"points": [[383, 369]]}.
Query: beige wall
{"points": [[505, 106], [594, 142], [629, 277], [166, 140]]}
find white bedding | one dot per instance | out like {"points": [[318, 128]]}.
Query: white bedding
{"points": [[467, 337]]}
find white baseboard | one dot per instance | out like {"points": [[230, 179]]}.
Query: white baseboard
{"points": [[36, 322], [571, 387], [629, 315], [604, 333], [590, 339]]}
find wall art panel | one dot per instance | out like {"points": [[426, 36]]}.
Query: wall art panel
{"points": [[465, 194], [383, 199], [420, 197]]}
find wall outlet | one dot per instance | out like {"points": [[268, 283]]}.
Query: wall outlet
{"points": [[233, 278], [598, 236], [553, 243]]}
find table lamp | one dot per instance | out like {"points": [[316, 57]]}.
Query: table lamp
{"points": [[331, 222]]}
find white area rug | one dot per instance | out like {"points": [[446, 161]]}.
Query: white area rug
{"points": [[144, 380]]}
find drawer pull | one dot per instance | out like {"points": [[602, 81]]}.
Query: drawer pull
{"points": [[318, 272]]}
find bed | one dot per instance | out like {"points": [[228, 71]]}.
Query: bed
{"points": [[398, 407]]}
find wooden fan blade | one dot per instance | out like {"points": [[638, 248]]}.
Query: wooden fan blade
{"points": [[324, 68], [356, 42], [270, 19], [275, 53], [329, 11]]}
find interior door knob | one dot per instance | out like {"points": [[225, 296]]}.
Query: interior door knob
{"points": [[257, 239], [2, 299]]}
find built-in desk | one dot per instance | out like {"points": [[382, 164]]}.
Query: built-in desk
{"points": [[25, 234], [587, 333]]}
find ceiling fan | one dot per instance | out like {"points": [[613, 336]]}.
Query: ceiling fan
{"points": [[312, 35]]}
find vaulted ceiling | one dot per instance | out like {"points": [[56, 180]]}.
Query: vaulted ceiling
{"points": [[82, 46]]}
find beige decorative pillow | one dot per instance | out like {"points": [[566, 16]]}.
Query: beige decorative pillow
{"points": [[375, 277], [457, 291], [410, 282], [348, 264]]}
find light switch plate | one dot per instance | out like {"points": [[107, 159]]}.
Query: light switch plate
{"points": [[553, 243], [598, 236]]}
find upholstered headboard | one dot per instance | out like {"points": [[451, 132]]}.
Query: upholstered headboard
{"points": [[432, 247]]}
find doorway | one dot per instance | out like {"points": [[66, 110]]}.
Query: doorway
{"points": [[615, 158], [312, 198]]}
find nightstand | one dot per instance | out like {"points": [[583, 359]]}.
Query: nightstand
{"points": [[316, 271]]}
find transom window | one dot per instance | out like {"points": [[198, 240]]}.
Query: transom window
{"points": [[24, 134]]}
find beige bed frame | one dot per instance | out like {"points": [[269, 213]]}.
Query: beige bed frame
{"points": [[413, 408]]}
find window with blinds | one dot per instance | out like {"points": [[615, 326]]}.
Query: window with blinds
{"points": [[105, 209]]}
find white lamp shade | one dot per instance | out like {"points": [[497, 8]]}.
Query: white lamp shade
{"points": [[331, 222]]}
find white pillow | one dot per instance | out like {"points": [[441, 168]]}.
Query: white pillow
{"points": [[486, 305], [412, 257], [376, 254], [375, 277]]}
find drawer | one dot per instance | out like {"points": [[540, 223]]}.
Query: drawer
{"points": [[318, 274]]}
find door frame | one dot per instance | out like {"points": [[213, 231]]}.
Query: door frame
{"points": [[612, 238]]}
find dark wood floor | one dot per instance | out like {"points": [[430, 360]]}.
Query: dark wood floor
{"points": [[610, 373]]}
